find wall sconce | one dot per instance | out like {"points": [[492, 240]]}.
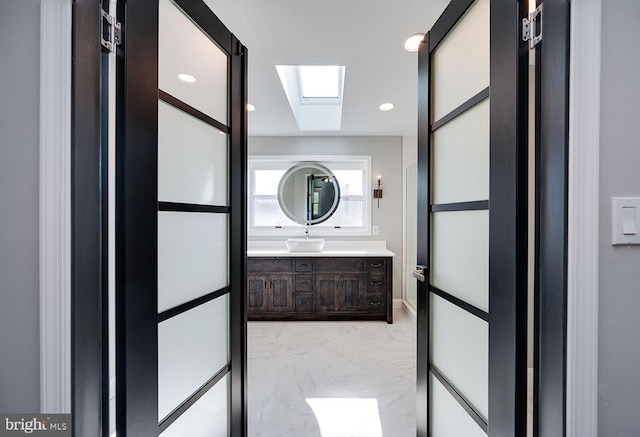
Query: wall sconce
{"points": [[377, 191]]}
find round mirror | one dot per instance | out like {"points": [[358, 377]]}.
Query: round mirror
{"points": [[308, 193]]}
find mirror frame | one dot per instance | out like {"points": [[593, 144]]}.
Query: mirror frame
{"points": [[285, 178]]}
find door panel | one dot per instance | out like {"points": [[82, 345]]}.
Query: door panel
{"points": [[190, 345], [257, 292], [460, 351], [352, 293], [471, 216], [182, 230], [448, 418], [189, 261], [186, 49], [281, 293], [192, 161], [327, 287], [193, 244], [460, 255], [461, 157], [460, 65], [207, 417]]}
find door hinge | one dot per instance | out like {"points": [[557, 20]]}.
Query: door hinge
{"points": [[532, 27], [239, 51], [110, 31]]}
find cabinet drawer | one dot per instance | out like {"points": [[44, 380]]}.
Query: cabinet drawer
{"points": [[339, 265], [375, 265], [304, 283], [268, 265], [304, 303], [304, 265], [376, 284], [376, 302]]}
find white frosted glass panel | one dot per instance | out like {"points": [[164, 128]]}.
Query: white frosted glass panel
{"points": [[208, 417], [460, 351], [192, 159], [460, 255], [184, 49], [192, 348], [192, 256], [446, 417], [460, 64], [461, 157]]}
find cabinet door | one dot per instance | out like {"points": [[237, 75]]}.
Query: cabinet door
{"points": [[280, 293], [326, 291], [257, 290], [352, 293]]}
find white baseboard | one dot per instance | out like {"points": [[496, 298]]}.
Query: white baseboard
{"points": [[405, 307], [55, 206]]}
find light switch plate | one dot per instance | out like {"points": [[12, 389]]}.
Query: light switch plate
{"points": [[625, 220]]}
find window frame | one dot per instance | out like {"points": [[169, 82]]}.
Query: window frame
{"points": [[333, 162]]}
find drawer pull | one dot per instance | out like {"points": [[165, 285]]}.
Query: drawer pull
{"points": [[304, 283], [376, 282], [375, 303], [304, 302], [376, 265], [304, 265]]}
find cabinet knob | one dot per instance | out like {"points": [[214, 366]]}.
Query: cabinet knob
{"points": [[376, 265], [375, 303]]}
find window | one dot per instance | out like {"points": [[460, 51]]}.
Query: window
{"points": [[320, 81], [352, 218]]}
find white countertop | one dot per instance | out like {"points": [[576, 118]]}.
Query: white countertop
{"points": [[331, 248]]}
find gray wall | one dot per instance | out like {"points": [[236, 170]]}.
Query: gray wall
{"points": [[19, 168], [386, 160], [619, 288]]}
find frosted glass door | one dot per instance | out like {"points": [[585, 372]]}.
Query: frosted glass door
{"points": [[458, 278], [194, 358], [472, 222], [180, 222]]}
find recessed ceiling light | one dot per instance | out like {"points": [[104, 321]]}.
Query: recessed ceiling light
{"points": [[387, 106], [412, 43], [186, 78], [250, 107]]}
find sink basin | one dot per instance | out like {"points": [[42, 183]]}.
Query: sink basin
{"points": [[305, 244]]}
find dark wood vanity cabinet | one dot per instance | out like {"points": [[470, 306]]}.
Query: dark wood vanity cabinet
{"points": [[320, 288]]}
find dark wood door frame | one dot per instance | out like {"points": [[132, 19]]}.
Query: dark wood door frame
{"points": [[552, 169]]}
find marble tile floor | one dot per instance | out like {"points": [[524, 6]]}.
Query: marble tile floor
{"points": [[337, 379]]}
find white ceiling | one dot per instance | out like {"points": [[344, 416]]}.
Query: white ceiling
{"points": [[364, 35]]}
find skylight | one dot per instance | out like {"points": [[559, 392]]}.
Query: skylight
{"points": [[315, 95], [320, 81]]}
